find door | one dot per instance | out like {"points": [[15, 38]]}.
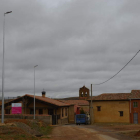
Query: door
{"points": [[54, 118], [135, 118]]}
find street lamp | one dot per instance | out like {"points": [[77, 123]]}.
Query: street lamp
{"points": [[34, 89], [2, 112]]}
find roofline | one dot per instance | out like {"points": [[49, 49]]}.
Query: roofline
{"points": [[28, 95], [134, 98], [111, 100], [48, 102]]}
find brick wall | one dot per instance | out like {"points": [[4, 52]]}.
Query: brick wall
{"points": [[135, 110]]}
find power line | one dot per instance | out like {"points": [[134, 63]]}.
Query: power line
{"points": [[119, 70]]}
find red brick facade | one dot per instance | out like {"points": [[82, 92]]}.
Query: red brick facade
{"points": [[134, 110]]}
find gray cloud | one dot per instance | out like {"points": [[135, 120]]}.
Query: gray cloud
{"points": [[74, 43]]}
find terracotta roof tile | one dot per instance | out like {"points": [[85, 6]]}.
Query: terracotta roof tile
{"points": [[135, 94], [75, 102], [111, 96], [48, 100]]}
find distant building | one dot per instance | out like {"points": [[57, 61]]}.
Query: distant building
{"points": [[134, 99], [83, 93], [117, 107], [77, 103], [74, 108], [43, 106]]}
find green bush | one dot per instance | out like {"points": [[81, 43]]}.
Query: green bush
{"points": [[82, 111]]}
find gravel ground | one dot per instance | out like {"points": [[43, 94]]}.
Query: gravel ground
{"points": [[92, 132]]}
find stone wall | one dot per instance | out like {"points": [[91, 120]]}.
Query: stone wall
{"points": [[71, 114], [63, 121], [47, 119]]}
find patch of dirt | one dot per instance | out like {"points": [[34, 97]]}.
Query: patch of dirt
{"points": [[120, 127], [25, 125], [130, 130], [23, 129], [12, 132], [137, 134], [27, 129]]}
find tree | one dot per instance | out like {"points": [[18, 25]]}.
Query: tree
{"points": [[82, 111]]}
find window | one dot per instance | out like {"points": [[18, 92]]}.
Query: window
{"points": [[78, 116], [82, 116], [50, 111], [86, 94], [31, 111], [121, 113], [82, 94], [7, 111], [65, 111], [135, 104], [98, 108]]}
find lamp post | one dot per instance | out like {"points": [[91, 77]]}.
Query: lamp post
{"points": [[34, 89], [2, 112]]}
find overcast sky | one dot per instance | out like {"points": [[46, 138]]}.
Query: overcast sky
{"points": [[73, 42]]}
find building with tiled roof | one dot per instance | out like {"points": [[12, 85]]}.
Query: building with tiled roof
{"points": [[116, 107], [76, 104], [134, 106], [75, 107], [43, 106], [110, 107], [107, 107]]}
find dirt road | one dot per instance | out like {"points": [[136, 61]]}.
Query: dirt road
{"points": [[82, 132]]}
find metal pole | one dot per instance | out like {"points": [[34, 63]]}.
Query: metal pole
{"points": [[2, 113], [34, 90], [130, 111]]}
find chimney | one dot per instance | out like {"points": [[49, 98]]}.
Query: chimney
{"points": [[43, 93]]}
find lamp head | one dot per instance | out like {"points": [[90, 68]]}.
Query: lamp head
{"points": [[35, 66], [8, 12]]}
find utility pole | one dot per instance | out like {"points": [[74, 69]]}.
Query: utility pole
{"points": [[34, 89], [91, 109]]}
